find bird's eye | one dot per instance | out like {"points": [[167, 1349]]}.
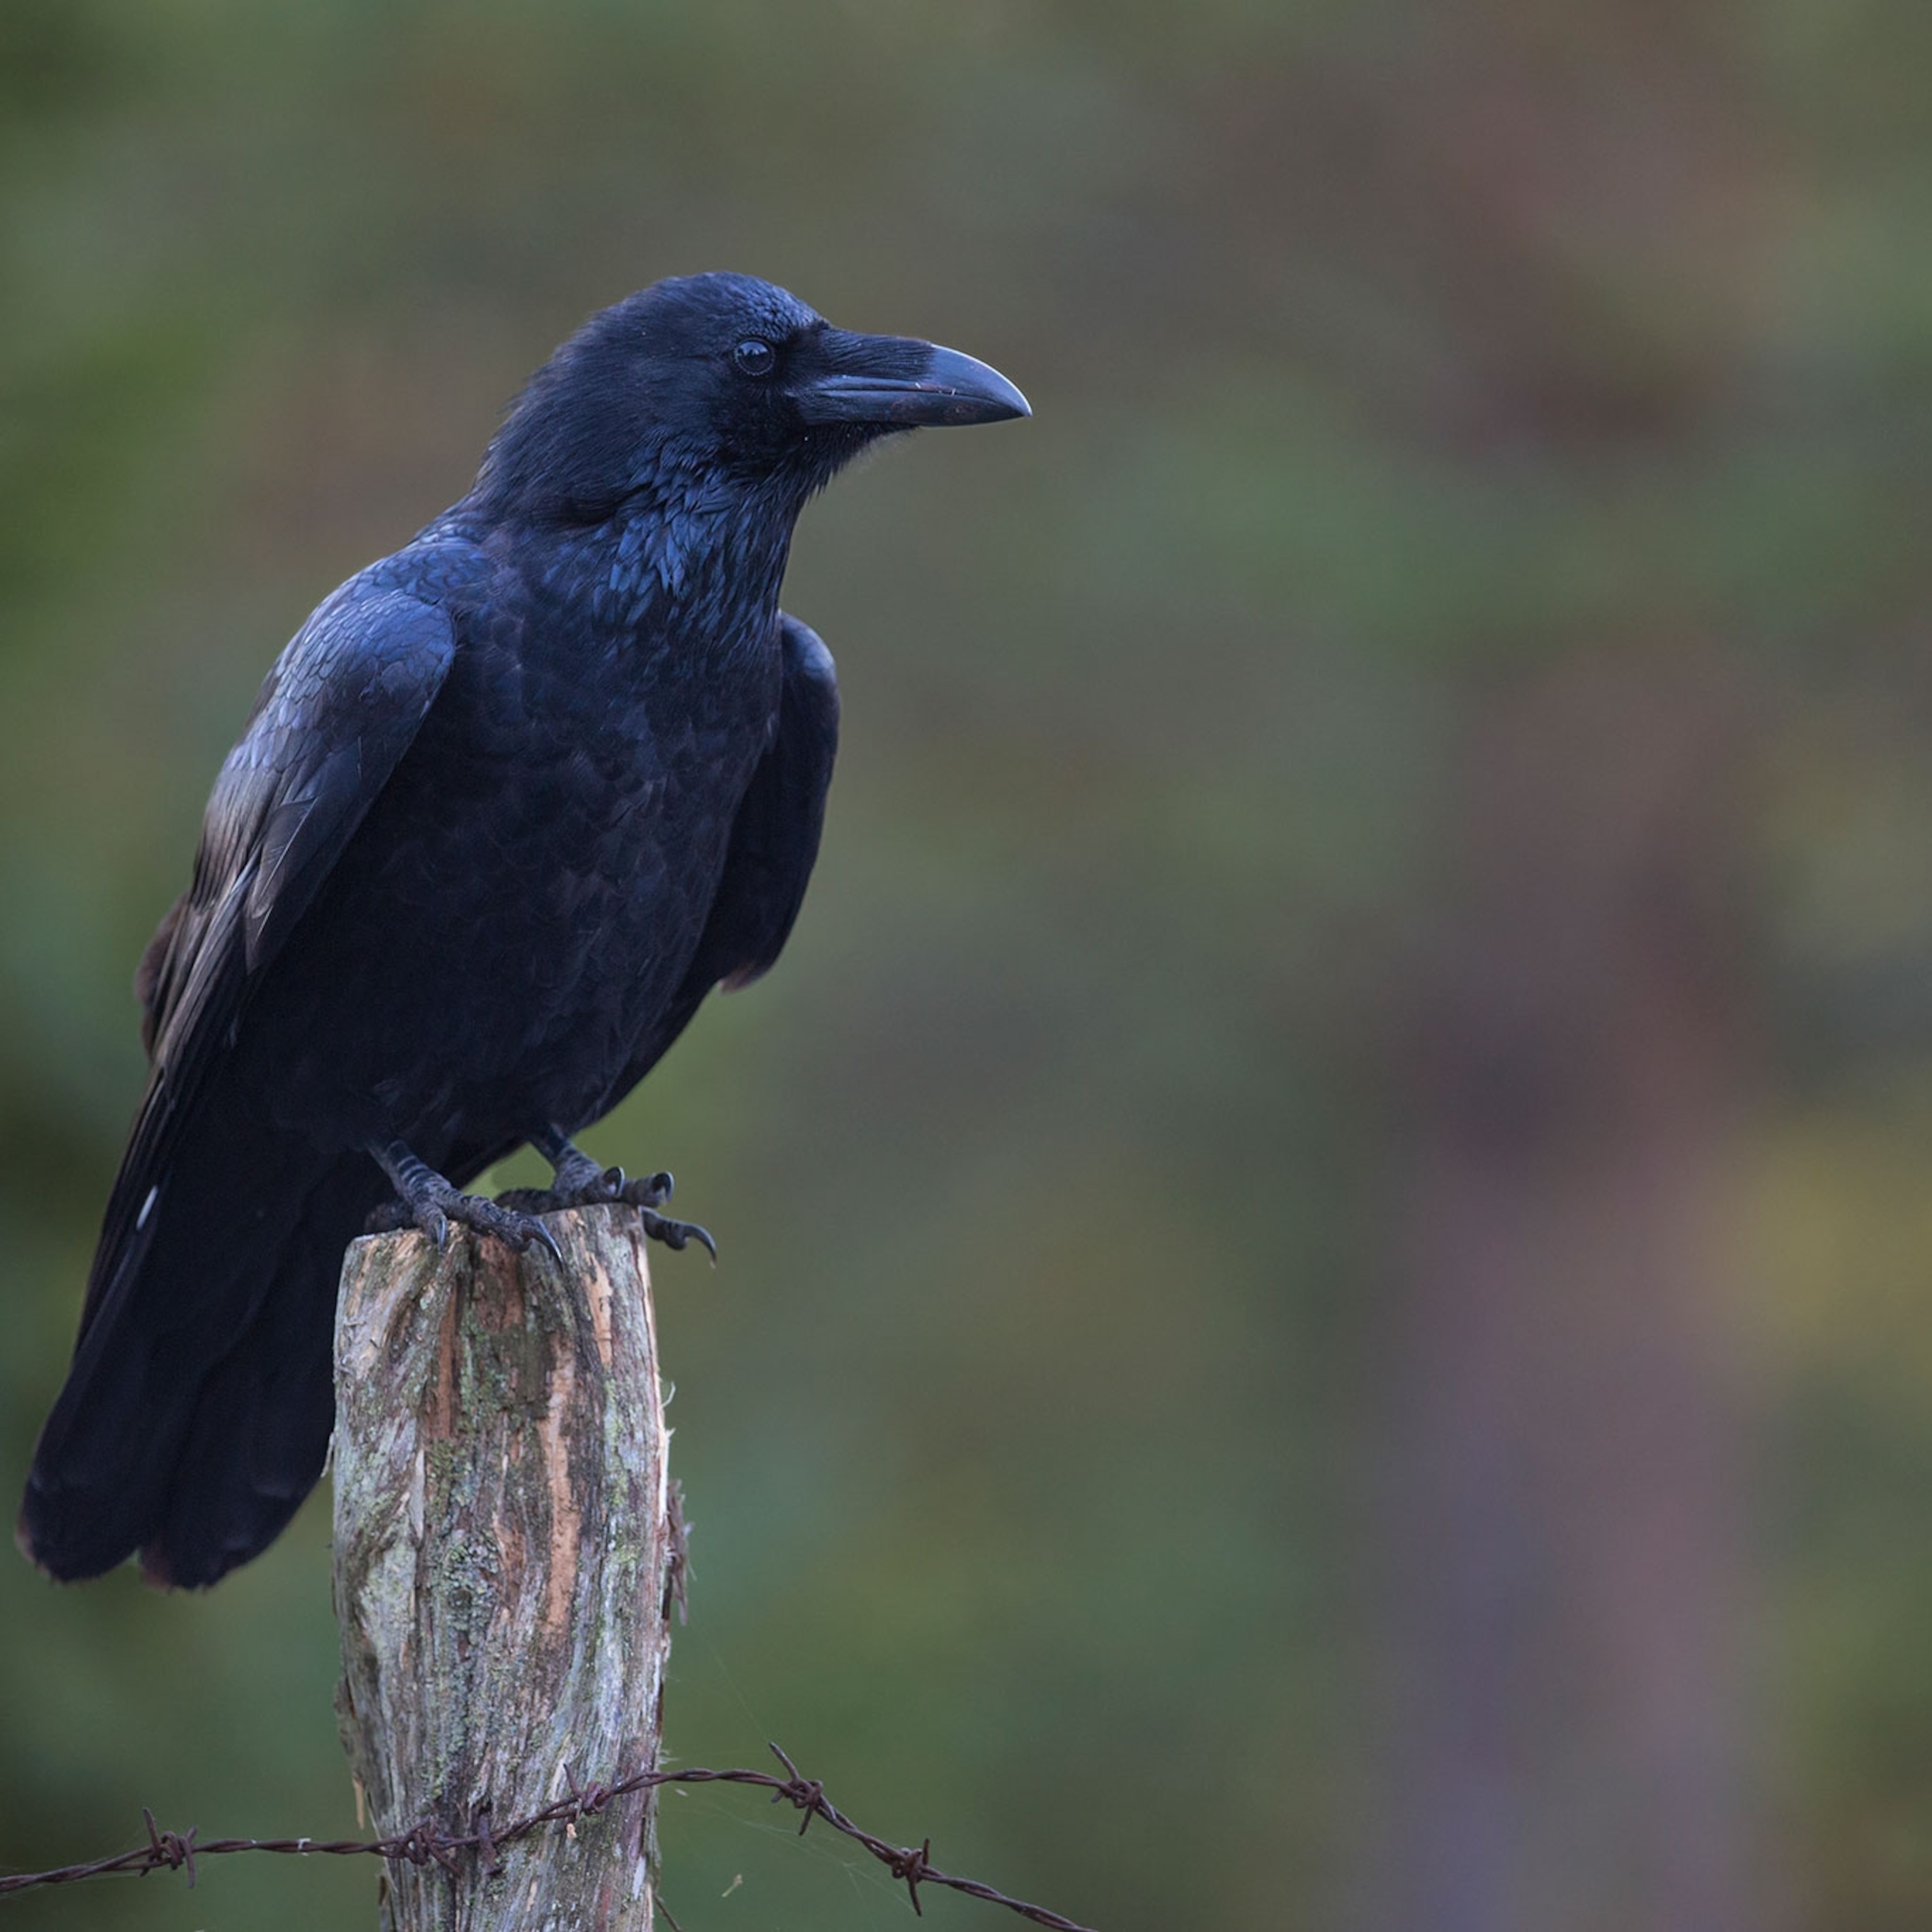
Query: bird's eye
{"points": [[753, 358]]}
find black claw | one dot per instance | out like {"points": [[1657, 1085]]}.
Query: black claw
{"points": [[430, 1202], [649, 1190], [676, 1235], [517, 1231], [580, 1183]]}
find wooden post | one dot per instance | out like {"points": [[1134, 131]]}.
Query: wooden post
{"points": [[502, 1551]]}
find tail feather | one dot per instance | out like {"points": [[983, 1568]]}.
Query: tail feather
{"points": [[197, 1413], [260, 1432], [264, 1415]]}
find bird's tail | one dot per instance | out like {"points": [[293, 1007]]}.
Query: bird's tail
{"points": [[196, 1415]]}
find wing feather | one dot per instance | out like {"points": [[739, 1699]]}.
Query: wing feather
{"points": [[768, 861], [774, 837], [342, 705], [338, 710]]}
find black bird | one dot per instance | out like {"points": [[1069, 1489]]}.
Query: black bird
{"points": [[511, 803]]}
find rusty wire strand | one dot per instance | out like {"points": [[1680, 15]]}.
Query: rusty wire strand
{"points": [[425, 1843]]}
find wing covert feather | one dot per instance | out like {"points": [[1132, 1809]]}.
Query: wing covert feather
{"points": [[341, 706], [775, 836], [339, 709]]}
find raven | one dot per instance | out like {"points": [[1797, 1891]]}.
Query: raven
{"points": [[509, 805]]}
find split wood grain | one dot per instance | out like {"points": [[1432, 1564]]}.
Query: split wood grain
{"points": [[502, 1549]]}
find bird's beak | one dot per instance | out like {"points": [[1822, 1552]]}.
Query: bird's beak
{"points": [[896, 383]]}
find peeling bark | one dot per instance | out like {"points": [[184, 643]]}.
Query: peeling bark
{"points": [[502, 1545]]}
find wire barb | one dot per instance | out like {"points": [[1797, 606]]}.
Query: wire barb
{"points": [[912, 1864], [807, 1793], [174, 1849], [423, 1843]]}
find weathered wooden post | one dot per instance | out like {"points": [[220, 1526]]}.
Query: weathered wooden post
{"points": [[502, 1547]]}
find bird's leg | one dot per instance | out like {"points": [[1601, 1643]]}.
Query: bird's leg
{"points": [[581, 1182], [425, 1200]]}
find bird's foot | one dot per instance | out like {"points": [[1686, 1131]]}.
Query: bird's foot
{"points": [[391, 1218], [516, 1230], [426, 1200], [675, 1234], [581, 1182]]}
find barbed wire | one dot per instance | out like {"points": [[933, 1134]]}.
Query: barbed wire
{"points": [[425, 1843]]}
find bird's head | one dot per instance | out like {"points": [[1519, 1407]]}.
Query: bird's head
{"points": [[722, 378]]}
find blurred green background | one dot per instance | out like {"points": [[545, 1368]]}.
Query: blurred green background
{"points": [[1327, 1309]]}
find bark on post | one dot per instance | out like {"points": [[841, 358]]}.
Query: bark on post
{"points": [[502, 1545]]}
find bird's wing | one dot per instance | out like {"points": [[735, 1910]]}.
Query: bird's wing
{"points": [[775, 835], [340, 707], [768, 860]]}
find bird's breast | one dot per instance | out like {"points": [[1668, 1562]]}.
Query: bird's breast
{"points": [[601, 776], [523, 900]]}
